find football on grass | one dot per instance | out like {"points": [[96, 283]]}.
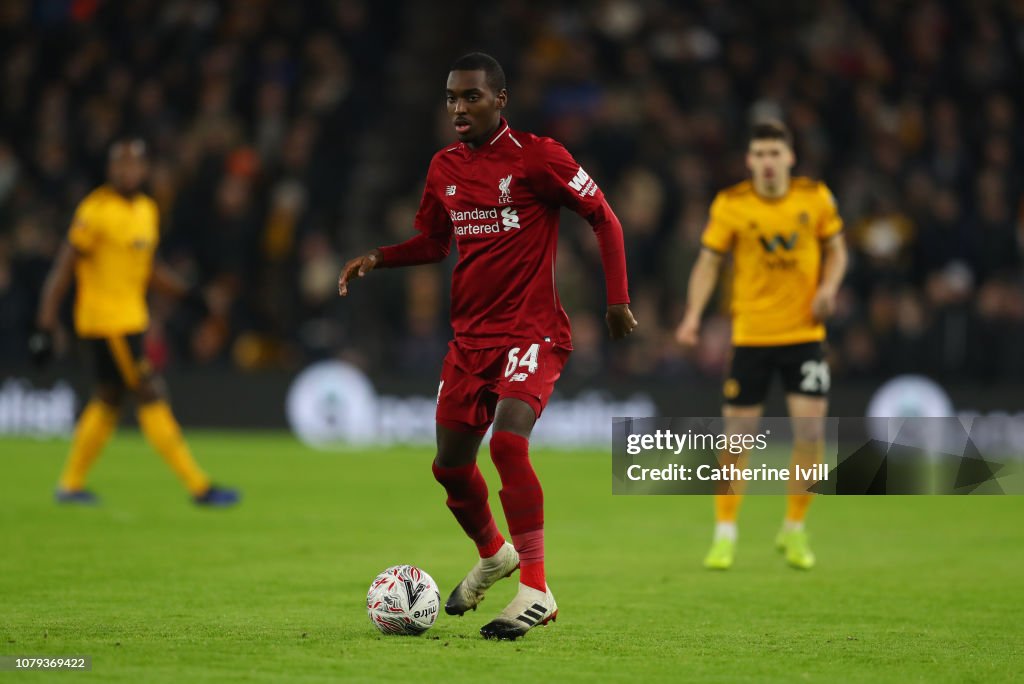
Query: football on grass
{"points": [[403, 600]]}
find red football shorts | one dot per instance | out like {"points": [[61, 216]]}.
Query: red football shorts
{"points": [[474, 380]]}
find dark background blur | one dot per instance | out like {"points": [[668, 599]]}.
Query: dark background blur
{"points": [[291, 136]]}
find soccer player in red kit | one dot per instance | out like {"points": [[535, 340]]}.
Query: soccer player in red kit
{"points": [[499, 192]]}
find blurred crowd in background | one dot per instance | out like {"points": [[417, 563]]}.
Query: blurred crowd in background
{"points": [[289, 137]]}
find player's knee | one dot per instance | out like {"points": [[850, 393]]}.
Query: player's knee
{"points": [[743, 420], [456, 449], [150, 389], [515, 416], [452, 459], [808, 421], [437, 469], [808, 430], [111, 395], [810, 436], [146, 394]]}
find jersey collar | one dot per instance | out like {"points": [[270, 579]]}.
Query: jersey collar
{"points": [[503, 133], [503, 130]]}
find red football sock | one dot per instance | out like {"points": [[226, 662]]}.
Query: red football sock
{"points": [[467, 500], [523, 501]]}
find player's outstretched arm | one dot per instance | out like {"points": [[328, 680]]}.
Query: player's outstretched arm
{"points": [[429, 247], [166, 281], [703, 278], [833, 269], [357, 268], [620, 320], [55, 288]]}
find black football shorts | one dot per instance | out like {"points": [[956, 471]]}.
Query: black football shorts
{"points": [[802, 367], [119, 360]]}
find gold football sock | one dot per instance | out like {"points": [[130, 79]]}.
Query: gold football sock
{"points": [[796, 506], [164, 433], [805, 454], [727, 507], [94, 428]]}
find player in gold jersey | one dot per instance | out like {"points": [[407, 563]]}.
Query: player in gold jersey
{"points": [[110, 254], [789, 258]]}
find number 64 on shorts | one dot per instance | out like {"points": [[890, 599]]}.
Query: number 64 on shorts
{"points": [[527, 361], [473, 380]]}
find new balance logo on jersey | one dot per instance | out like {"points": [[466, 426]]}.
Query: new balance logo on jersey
{"points": [[519, 377], [778, 241], [449, 190], [583, 184], [504, 194], [509, 218]]}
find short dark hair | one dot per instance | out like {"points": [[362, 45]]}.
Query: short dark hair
{"points": [[771, 129], [479, 61], [133, 143]]}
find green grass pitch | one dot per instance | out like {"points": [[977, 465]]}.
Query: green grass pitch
{"points": [[906, 589]]}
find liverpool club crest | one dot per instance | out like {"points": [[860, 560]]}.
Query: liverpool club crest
{"points": [[504, 196]]}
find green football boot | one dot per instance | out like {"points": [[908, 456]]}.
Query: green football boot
{"points": [[721, 555], [796, 549]]}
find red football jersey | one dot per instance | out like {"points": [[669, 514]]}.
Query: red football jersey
{"points": [[501, 201]]}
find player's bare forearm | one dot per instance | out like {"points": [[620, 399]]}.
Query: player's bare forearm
{"points": [[56, 287], [833, 268], [703, 279], [166, 281]]}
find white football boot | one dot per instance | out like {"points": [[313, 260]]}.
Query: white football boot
{"points": [[470, 591], [530, 608]]}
